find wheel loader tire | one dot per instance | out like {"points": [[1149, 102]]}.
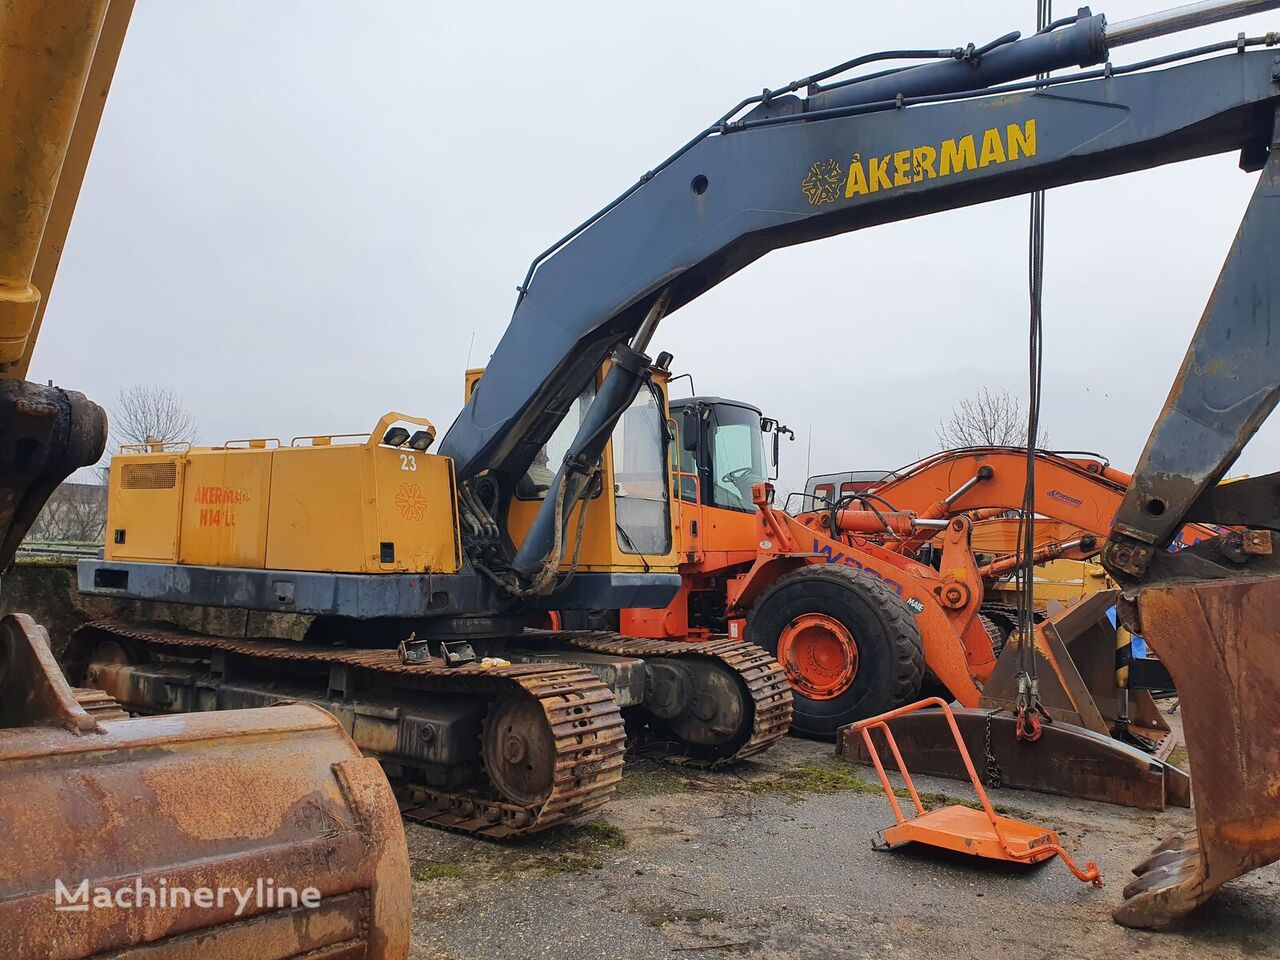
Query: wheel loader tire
{"points": [[808, 617]]}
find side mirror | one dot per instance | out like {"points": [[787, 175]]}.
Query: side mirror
{"points": [[777, 430], [689, 429]]}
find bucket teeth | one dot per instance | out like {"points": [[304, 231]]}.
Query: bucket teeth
{"points": [[1175, 847], [1169, 884]]}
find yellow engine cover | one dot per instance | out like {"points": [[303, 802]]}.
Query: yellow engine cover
{"points": [[314, 505]]}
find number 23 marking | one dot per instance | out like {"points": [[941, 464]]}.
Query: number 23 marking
{"points": [[408, 462]]}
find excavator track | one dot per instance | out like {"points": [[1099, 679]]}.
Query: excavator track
{"points": [[1004, 616], [583, 721], [757, 672]]}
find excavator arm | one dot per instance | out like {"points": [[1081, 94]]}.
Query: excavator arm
{"points": [[1211, 610], [849, 156], [56, 68]]}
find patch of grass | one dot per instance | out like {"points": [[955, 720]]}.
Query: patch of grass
{"points": [[840, 776], [650, 783], [814, 778], [570, 864], [604, 834], [932, 800], [44, 560], [659, 920], [589, 835], [1179, 758], [441, 871]]}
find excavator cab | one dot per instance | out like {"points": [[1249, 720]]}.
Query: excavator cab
{"points": [[629, 525]]}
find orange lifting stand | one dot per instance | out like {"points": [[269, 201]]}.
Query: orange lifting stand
{"points": [[982, 833]]}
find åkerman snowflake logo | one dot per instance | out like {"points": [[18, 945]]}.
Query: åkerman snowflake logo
{"points": [[411, 501], [822, 185]]}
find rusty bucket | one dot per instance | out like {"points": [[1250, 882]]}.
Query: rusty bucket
{"points": [[118, 834], [1221, 643]]}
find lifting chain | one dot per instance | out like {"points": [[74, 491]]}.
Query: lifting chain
{"points": [[995, 773]]}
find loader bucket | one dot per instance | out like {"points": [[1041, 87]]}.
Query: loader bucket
{"points": [[1077, 755], [113, 828], [1220, 640]]}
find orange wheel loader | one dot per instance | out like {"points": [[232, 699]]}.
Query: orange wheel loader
{"points": [[857, 627], [859, 614]]}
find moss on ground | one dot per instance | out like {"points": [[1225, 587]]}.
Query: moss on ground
{"points": [[602, 833], [569, 864], [653, 781], [814, 778], [664, 917], [839, 776], [439, 871]]}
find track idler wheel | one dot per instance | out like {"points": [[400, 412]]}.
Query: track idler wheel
{"points": [[701, 702], [519, 750]]}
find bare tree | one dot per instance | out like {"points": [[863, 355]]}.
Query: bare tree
{"points": [[147, 415], [782, 498], [144, 414], [75, 513], [989, 418]]}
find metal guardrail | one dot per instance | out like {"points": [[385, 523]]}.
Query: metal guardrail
{"points": [[54, 548]]}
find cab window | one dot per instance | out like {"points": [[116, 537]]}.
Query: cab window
{"points": [[640, 477], [537, 479], [737, 457]]}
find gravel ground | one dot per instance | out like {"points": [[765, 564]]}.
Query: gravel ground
{"points": [[773, 859]]}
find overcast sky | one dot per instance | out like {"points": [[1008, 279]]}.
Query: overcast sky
{"points": [[300, 215]]}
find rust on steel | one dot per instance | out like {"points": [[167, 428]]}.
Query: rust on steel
{"points": [[581, 717], [1220, 640], [211, 800], [1067, 760], [756, 670]]}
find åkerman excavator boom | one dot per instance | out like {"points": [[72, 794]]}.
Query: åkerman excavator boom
{"points": [[781, 168]]}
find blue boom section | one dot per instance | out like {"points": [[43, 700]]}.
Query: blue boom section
{"points": [[772, 181]]}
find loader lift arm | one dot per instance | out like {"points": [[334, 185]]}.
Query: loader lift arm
{"points": [[1082, 492]]}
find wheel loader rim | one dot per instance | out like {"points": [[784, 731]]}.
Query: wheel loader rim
{"points": [[819, 655]]}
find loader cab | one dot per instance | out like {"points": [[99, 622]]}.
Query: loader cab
{"points": [[722, 451]]}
